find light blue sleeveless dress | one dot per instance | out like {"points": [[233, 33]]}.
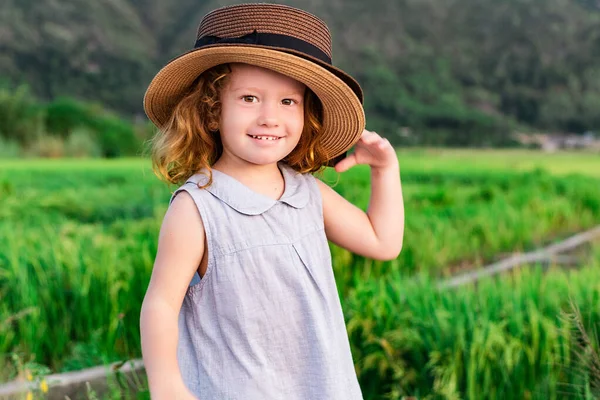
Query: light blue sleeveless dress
{"points": [[265, 322]]}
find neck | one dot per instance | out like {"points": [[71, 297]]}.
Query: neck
{"points": [[265, 179]]}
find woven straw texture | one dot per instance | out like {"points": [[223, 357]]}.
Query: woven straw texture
{"points": [[343, 119]]}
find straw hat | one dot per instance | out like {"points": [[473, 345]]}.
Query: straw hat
{"points": [[284, 39]]}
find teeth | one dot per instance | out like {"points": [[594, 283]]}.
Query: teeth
{"points": [[265, 137]]}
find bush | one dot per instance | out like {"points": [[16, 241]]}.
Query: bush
{"points": [[63, 115], [82, 143], [65, 126], [47, 147], [9, 148], [21, 118], [116, 137], [113, 136]]}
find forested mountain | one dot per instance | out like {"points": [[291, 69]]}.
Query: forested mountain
{"points": [[449, 69]]}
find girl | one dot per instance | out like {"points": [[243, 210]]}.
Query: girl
{"points": [[242, 302]]}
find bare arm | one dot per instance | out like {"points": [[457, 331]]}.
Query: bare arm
{"points": [[379, 232], [180, 250]]}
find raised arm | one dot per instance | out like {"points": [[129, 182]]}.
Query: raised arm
{"points": [[378, 233], [180, 250]]}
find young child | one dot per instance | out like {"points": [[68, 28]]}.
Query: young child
{"points": [[242, 302]]}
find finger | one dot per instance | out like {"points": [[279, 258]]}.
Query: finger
{"points": [[383, 143], [375, 147], [346, 163], [370, 137], [375, 141]]}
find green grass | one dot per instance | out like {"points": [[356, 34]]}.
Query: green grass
{"points": [[459, 218], [507, 338], [79, 238], [482, 160], [417, 160]]}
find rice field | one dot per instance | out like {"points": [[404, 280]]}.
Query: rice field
{"points": [[78, 238], [485, 160], [515, 337]]}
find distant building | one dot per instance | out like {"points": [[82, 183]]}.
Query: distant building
{"points": [[553, 142]]}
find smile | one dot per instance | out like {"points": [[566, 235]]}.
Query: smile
{"points": [[265, 137]]}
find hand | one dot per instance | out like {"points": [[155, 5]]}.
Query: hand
{"points": [[370, 149]]}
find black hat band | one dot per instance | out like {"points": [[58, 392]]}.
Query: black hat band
{"points": [[269, 40]]}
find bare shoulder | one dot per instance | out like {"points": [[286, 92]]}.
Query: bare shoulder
{"points": [[329, 195], [180, 250], [323, 187], [335, 206], [183, 208], [182, 228]]}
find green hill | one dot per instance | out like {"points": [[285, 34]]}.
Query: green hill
{"points": [[446, 70]]}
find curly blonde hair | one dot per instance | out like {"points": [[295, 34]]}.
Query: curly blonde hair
{"points": [[190, 141]]}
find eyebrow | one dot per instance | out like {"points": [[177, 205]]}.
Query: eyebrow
{"points": [[246, 88], [252, 88]]}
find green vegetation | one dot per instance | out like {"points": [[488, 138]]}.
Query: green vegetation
{"points": [[466, 72], [505, 339], [64, 128], [456, 216], [498, 161], [79, 238]]}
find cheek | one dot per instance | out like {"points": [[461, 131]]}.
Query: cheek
{"points": [[300, 127], [227, 112], [297, 123], [231, 119]]}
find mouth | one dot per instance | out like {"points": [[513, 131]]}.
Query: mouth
{"points": [[265, 137]]}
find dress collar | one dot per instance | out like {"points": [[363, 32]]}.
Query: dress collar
{"points": [[246, 201]]}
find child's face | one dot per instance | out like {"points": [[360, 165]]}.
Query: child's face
{"points": [[262, 115]]}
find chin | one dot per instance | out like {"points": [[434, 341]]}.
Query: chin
{"points": [[266, 159]]}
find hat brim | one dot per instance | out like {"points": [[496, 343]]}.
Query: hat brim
{"points": [[343, 114]]}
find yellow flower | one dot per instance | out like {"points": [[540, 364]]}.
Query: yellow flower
{"points": [[29, 396], [44, 386], [29, 376]]}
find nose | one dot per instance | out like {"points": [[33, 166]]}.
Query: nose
{"points": [[268, 115]]}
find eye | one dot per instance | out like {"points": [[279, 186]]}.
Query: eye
{"points": [[288, 102], [249, 98]]}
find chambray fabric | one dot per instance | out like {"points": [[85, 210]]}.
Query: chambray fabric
{"points": [[265, 321]]}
